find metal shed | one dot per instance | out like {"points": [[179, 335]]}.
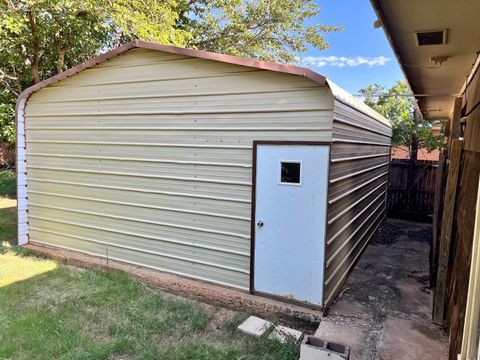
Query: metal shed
{"points": [[254, 175]]}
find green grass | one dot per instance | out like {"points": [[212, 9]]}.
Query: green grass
{"points": [[53, 311], [8, 183]]}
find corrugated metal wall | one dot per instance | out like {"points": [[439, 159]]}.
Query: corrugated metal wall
{"points": [[360, 156], [147, 158]]}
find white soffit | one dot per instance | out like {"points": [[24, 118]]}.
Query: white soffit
{"points": [[402, 18]]}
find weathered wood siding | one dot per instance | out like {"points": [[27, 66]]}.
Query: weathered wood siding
{"points": [[463, 229], [358, 179], [147, 158]]}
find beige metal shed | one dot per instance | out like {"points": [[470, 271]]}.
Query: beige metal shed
{"points": [[249, 174]]}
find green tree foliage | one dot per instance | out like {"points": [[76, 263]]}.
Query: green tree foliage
{"points": [[407, 130], [272, 30], [40, 38]]}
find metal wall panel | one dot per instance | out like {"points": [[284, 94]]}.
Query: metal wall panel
{"points": [[357, 190], [147, 158]]}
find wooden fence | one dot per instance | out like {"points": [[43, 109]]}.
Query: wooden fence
{"points": [[411, 189]]}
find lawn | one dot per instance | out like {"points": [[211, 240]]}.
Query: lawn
{"points": [[53, 311], [8, 183]]}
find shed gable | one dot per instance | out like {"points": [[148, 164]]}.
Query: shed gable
{"points": [[147, 157]]}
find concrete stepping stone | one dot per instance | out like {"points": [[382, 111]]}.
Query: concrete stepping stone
{"points": [[285, 334], [255, 326]]}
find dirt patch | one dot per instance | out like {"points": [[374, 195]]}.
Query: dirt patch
{"points": [[219, 317], [377, 298], [387, 234], [204, 292]]}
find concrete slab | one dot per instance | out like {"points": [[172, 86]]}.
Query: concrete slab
{"points": [[385, 308], [353, 337], [348, 308], [285, 334], [254, 326], [404, 339]]}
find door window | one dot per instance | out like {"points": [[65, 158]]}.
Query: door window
{"points": [[290, 172]]}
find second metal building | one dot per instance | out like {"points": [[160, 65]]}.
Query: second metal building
{"points": [[254, 175]]}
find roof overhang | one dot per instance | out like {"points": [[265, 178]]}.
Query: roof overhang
{"points": [[436, 73]]}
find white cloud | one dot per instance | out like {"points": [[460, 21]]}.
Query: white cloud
{"points": [[342, 61]]}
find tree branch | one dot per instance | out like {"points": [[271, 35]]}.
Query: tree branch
{"points": [[35, 65]]}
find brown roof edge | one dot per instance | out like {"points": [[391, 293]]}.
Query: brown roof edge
{"points": [[236, 60], [229, 59]]}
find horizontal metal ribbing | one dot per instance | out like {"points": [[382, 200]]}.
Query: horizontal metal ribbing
{"points": [[347, 225], [344, 211], [332, 181], [153, 79], [205, 213], [204, 180], [185, 128], [146, 191], [140, 264], [159, 223], [349, 107], [152, 252], [358, 126], [358, 157], [166, 161], [118, 143], [247, 110], [352, 235], [347, 141], [143, 236], [346, 193], [345, 273], [171, 95], [107, 65]]}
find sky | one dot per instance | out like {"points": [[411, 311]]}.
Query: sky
{"points": [[359, 55]]}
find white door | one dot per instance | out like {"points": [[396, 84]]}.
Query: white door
{"points": [[290, 211]]}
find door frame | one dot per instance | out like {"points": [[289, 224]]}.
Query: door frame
{"points": [[254, 192]]}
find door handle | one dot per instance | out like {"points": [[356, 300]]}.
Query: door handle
{"points": [[260, 224]]}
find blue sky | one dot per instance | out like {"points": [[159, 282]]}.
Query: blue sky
{"points": [[357, 56]]}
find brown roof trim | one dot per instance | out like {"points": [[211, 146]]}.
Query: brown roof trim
{"points": [[236, 60], [229, 59]]}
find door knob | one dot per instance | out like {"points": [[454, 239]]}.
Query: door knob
{"points": [[260, 224]]}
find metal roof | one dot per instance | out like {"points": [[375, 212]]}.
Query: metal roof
{"points": [[338, 92], [348, 99]]}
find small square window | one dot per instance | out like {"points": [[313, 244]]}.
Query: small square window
{"points": [[290, 172]]}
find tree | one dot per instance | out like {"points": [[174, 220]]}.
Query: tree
{"points": [[273, 30], [40, 38], [409, 128]]}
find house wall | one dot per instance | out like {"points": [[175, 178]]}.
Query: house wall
{"points": [[360, 156], [147, 158]]}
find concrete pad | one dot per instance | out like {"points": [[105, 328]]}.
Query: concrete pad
{"points": [[285, 334], [353, 337], [404, 340], [254, 326], [348, 308]]}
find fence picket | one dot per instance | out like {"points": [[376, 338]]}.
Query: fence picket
{"points": [[413, 201]]}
